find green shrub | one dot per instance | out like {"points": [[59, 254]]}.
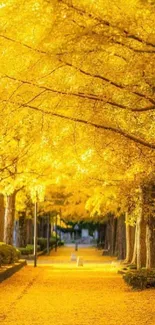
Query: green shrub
{"points": [[42, 242], [140, 279], [52, 241], [31, 248], [18, 253], [54, 235], [132, 267], [28, 250], [60, 242], [24, 251], [8, 254]]}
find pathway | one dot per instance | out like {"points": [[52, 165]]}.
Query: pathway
{"points": [[64, 294], [90, 256]]}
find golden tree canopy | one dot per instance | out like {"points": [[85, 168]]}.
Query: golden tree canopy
{"points": [[77, 98]]}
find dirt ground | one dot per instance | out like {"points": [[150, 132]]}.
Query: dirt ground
{"points": [[61, 293]]}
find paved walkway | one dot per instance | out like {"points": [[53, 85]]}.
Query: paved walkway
{"points": [[64, 294], [64, 256]]}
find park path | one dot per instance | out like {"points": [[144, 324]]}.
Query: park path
{"points": [[89, 254], [60, 293]]}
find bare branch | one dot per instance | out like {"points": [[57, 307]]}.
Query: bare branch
{"points": [[23, 44], [95, 125], [117, 85], [87, 96], [104, 22]]}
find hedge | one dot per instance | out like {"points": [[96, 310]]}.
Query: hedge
{"points": [[42, 244], [28, 250], [8, 254], [140, 279]]}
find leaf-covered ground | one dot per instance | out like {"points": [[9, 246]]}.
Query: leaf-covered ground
{"points": [[65, 294]]}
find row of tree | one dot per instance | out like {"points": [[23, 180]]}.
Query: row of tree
{"points": [[127, 232], [77, 110]]}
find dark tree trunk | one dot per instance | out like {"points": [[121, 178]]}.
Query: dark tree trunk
{"points": [[121, 238], [141, 235], [148, 200], [115, 237], [48, 234], [22, 230], [42, 227], [134, 257], [107, 237], [150, 243], [111, 234], [1, 217], [29, 231]]}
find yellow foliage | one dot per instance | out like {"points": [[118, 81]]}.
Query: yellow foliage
{"points": [[77, 100]]}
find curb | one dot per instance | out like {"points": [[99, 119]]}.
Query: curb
{"points": [[11, 270]]}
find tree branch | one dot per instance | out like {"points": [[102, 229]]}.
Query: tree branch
{"points": [[108, 24], [93, 97], [23, 44], [115, 84], [95, 125]]}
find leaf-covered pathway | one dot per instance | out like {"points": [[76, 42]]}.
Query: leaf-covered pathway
{"points": [[63, 294]]}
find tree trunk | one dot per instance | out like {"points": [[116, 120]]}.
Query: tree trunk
{"points": [[141, 236], [16, 228], [148, 203], [115, 246], [107, 237], [1, 217], [48, 234], [41, 232], [117, 238], [29, 231], [9, 218], [111, 235], [134, 257], [112, 224], [121, 238], [22, 230], [56, 234], [150, 243], [129, 240]]}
